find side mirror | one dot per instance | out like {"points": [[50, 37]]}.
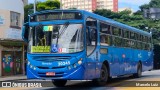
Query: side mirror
{"points": [[25, 32]]}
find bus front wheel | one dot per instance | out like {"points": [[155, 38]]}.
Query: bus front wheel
{"points": [[104, 76], [59, 83]]}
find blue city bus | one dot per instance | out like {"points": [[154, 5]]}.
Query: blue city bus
{"points": [[79, 45]]}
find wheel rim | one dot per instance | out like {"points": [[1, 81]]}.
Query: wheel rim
{"points": [[103, 74]]}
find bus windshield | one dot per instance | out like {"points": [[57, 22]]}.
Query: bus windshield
{"points": [[66, 38]]}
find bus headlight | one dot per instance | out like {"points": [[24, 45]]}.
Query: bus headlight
{"points": [[69, 67], [34, 68], [80, 61], [28, 63], [31, 66], [75, 65]]}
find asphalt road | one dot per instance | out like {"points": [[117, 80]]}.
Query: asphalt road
{"points": [[123, 83]]}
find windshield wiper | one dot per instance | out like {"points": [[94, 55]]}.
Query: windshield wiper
{"points": [[63, 29], [38, 32], [58, 33]]}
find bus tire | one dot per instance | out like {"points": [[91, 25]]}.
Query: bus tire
{"points": [[59, 83], [139, 71], [104, 76]]}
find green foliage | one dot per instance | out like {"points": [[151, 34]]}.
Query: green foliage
{"points": [[155, 3], [28, 9], [47, 5], [152, 4], [125, 17], [145, 6]]}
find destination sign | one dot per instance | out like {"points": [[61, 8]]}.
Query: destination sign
{"points": [[58, 16]]}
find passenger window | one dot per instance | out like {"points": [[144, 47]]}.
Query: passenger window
{"points": [[143, 46], [136, 36], [116, 41], [105, 39], [139, 37], [124, 43], [116, 31], [132, 35], [126, 34], [104, 28], [139, 45], [132, 44]]}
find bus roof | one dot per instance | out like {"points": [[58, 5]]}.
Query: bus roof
{"points": [[111, 21]]}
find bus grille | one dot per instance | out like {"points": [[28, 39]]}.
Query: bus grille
{"points": [[49, 58], [40, 67]]}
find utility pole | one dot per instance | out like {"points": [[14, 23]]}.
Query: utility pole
{"points": [[35, 1]]}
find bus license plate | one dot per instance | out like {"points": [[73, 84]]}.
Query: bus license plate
{"points": [[50, 74]]}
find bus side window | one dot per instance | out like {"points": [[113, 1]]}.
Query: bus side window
{"points": [[104, 28], [105, 34]]}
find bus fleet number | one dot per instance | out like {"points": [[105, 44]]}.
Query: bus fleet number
{"points": [[64, 63]]}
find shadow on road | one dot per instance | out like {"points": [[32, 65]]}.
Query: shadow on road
{"points": [[88, 85]]}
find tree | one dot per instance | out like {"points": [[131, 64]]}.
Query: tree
{"points": [[47, 5], [152, 4], [145, 6], [28, 9]]}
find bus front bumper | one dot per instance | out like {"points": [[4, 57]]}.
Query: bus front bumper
{"points": [[73, 74]]}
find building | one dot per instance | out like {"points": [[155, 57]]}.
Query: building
{"points": [[25, 2], [152, 13], [11, 43], [115, 5], [91, 5], [88, 5], [108, 4]]}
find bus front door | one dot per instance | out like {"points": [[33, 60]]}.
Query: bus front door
{"points": [[92, 52]]}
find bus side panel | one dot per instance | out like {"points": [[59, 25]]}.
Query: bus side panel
{"points": [[107, 57], [115, 59], [127, 53], [147, 60]]}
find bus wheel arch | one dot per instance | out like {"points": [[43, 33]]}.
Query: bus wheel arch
{"points": [[138, 73], [104, 75], [107, 65]]}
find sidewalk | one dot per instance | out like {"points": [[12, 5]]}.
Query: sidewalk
{"points": [[16, 77]]}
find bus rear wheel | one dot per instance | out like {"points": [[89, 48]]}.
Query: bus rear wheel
{"points": [[104, 76], [59, 83], [139, 71]]}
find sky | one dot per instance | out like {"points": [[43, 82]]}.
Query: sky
{"points": [[133, 4]]}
